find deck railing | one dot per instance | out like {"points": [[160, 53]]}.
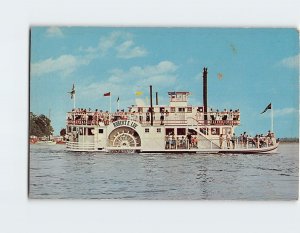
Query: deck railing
{"points": [[80, 146], [183, 143], [155, 122], [197, 143]]}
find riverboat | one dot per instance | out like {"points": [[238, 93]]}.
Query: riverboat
{"points": [[174, 128]]}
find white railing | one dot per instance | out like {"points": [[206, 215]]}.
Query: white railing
{"points": [[80, 146], [204, 143]]}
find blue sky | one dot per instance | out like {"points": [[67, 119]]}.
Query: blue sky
{"points": [[258, 66]]}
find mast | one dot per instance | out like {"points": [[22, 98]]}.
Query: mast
{"points": [[151, 106], [272, 122], [205, 93]]}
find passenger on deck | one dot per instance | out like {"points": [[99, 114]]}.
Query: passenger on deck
{"points": [[195, 142], [189, 137], [268, 138], [147, 116], [170, 141], [233, 140], [182, 142], [162, 118], [228, 139], [245, 138], [173, 142], [240, 139], [167, 142], [221, 140]]}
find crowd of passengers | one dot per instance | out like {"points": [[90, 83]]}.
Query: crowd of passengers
{"points": [[225, 115], [86, 116], [244, 140], [225, 141], [181, 142]]}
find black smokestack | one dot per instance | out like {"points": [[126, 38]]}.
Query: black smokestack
{"points": [[151, 106], [205, 93], [156, 95]]}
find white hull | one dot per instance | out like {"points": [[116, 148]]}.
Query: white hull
{"points": [[263, 150]]}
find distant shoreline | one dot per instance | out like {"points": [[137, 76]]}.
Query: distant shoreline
{"points": [[289, 140], [286, 142]]}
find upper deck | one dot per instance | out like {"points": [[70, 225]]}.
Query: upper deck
{"points": [[162, 115], [178, 112]]}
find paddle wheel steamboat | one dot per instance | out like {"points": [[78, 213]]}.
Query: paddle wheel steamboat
{"points": [[174, 128]]}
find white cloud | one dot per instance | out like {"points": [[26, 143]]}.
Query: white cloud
{"points": [[137, 78], [199, 77], [64, 65], [128, 50], [284, 112], [291, 62], [161, 80], [107, 42], [54, 32], [119, 44], [162, 68]]}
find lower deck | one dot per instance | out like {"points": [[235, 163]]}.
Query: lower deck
{"points": [[130, 136], [237, 150]]}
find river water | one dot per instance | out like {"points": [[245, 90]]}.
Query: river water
{"points": [[55, 173]]}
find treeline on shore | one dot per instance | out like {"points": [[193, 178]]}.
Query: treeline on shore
{"points": [[289, 140], [39, 126]]}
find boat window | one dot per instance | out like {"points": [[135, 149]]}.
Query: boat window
{"points": [[74, 129], [200, 109], [161, 109], [215, 131], [192, 131], [172, 109], [69, 129], [80, 131], [90, 131], [181, 131], [226, 130], [140, 109], [189, 109], [147, 130], [169, 131], [204, 131], [181, 109], [100, 130], [158, 130]]}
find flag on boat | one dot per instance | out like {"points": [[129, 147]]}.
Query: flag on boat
{"points": [[118, 99], [72, 92], [138, 93], [266, 109], [107, 94]]}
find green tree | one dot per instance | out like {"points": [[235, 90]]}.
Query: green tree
{"points": [[63, 132], [39, 125]]}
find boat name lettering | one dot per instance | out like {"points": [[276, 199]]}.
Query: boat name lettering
{"points": [[127, 123]]}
